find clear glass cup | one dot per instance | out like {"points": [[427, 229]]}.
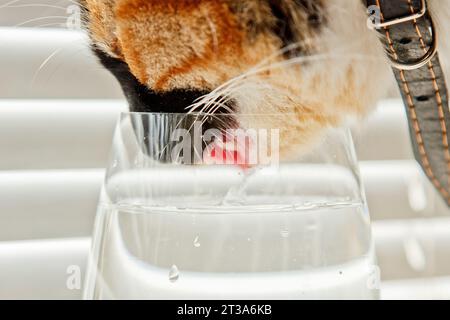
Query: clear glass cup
{"points": [[192, 210]]}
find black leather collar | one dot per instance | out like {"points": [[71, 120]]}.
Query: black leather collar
{"points": [[409, 36]]}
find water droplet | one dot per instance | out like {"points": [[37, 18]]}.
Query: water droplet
{"points": [[196, 242], [174, 274], [115, 163], [285, 233]]}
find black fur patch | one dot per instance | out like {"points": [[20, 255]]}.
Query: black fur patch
{"points": [[142, 99]]}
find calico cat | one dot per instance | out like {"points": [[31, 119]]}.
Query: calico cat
{"points": [[315, 63]]}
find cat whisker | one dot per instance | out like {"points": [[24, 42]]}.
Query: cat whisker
{"points": [[53, 24], [40, 18], [42, 5], [265, 61], [44, 63], [227, 88], [6, 5]]}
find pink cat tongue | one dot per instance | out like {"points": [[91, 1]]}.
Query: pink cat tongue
{"points": [[228, 151]]}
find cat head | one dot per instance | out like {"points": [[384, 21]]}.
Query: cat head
{"points": [[313, 61]]}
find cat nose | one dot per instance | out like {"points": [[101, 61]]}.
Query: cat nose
{"points": [[174, 101]]}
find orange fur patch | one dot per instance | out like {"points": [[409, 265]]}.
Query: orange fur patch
{"points": [[180, 40], [192, 16], [190, 44]]}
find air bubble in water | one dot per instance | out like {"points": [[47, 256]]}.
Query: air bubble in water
{"points": [[174, 274], [196, 242]]}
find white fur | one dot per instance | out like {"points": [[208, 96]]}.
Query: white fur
{"points": [[358, 46]]}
